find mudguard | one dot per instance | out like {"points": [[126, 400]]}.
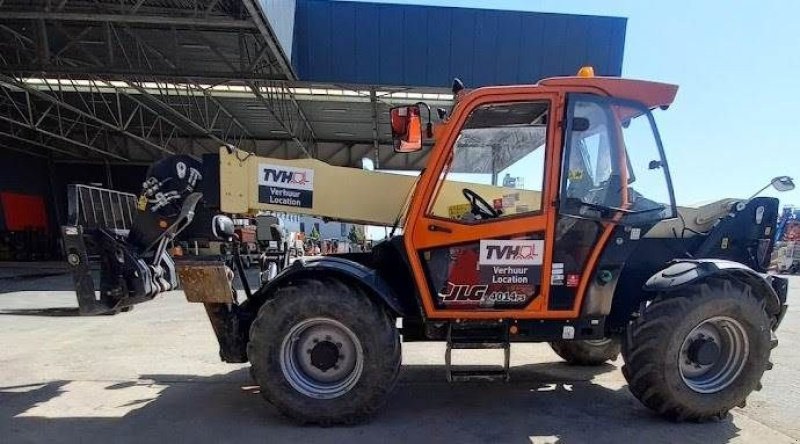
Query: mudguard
{"points": [[686, 272], [347, 270]]}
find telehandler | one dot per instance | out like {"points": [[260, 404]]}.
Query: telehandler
{"points": [[545, 213]]}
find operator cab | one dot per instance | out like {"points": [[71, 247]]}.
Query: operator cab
{"points": [[550, 170], [614, 166]]}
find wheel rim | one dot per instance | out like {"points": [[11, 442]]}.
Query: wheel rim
{"points": [[321, 358], [713, 354]]}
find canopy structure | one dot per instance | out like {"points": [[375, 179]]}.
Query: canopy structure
{"points": [[128, 82]]}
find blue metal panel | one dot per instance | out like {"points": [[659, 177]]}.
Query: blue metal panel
{"points": [[462, 41], [384, 44], [414, 48], [367, 51], [509, 50], [437, 36], [390, 61], [484, 47]]}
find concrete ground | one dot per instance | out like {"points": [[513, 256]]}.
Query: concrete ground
{"points": [[152, 375]]}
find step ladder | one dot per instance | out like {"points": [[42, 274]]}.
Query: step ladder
{"points": [[473, 337]]}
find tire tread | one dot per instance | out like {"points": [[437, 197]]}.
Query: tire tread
{"points": [[298, 296], [642, 350]]}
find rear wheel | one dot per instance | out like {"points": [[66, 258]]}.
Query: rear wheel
{"points": [[324, 353], [587, 352], [696, 356]]}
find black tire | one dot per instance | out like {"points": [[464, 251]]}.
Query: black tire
{"points": [[327, 299], [653, 347], [587, 353]]}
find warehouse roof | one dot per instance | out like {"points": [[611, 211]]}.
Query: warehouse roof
{"points": [[130, 81]]}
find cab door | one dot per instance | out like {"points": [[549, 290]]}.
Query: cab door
{"points": [[479, 232]]}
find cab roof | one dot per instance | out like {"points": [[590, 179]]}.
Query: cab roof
{"points": [[652, 94]]}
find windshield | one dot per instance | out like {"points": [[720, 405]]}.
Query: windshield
{"points": [[498, 157], [614, 164]]}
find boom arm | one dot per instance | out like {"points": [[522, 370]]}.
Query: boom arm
{"points": [[311, 187], [308, 186]]}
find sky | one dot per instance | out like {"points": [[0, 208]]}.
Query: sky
{"points": [[734, 123]]}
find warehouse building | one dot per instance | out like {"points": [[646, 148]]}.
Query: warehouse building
{"points": [[93, 92]]}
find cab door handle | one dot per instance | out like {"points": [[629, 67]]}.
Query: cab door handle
{"points": [[439, 228]]}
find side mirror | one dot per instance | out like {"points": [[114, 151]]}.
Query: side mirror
{"points": [[780, 183], [406, 128], [222, 227], [783, 183]]}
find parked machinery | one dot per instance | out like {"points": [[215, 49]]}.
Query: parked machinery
{"points": [[786, 254], [588, 253]]}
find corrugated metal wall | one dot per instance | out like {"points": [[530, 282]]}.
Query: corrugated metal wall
{"points": [[369, 43]]}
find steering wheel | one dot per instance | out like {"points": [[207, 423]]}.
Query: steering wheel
{"points": [[479, 205]]}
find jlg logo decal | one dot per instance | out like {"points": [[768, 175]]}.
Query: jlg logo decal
{"points": [[456, 294], [463, 293], [511, 252]]}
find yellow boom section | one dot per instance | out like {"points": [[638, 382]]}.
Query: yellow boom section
{"points": [[250, 184], [311, 187]]}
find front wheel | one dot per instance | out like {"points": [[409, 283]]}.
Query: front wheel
{"points": [[324, 352], [697, 355], [587, 352]]}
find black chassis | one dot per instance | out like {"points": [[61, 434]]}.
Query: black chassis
{"points": [[628, 274]]}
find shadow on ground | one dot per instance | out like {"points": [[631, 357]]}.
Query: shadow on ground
{"points": [[51, 311], [21, 280], [548, 402], [55, 281], [62, 282]]}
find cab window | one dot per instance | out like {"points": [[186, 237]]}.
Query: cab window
{"points": [[496, 168], [589, 164], [614, 167]]}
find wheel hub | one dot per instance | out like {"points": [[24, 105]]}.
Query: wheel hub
{"points": [[73, 259], [703, 351], [321, 358], [713, 354], [325, 355]]}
